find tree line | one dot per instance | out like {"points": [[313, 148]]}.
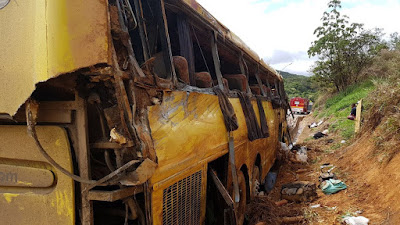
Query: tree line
{"points": [[344, 49]]}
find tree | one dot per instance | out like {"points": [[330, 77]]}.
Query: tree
{"points": [[394, 41], [343, 49]]}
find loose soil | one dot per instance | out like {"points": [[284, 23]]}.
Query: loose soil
{"points": [[372, 182]]}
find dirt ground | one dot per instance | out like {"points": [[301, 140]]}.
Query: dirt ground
{"points": [[372, 186]]}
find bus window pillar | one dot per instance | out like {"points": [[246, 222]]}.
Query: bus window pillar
{"points": [[217, 64]]}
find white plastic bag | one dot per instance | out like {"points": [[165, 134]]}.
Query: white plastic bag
{"points": [[301, 155], [359, 220]]}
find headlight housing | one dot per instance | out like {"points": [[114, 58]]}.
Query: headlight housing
{"points": [[3, 3]]}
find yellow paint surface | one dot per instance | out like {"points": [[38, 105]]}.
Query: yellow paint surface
{"points": [[40, 205], [42, 39], [189, 132]]}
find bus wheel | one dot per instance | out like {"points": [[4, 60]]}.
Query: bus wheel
{"points": [[256, 181], [240, 207]]}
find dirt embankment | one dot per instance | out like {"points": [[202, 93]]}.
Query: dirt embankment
{"points": [[373, 183]]}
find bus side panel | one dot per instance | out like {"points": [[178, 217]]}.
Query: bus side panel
{"points": [[31, 190], [47, 38], [188, 129]]}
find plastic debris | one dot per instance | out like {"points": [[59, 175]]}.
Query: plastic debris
{"points": [[326, 131], [332, 186], [301, 155], [318, 135], [270, 181], [299, 191], [284, 147], [319, 123], [343, 141], [315, 206], [312, 125], [359, 220]]}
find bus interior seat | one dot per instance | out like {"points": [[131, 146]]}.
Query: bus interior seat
{"points": [[255, 89], [181, 69], [237, 81], [224, 83], [203, 80]]}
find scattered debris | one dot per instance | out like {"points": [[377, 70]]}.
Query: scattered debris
{"points": [[332, 186], [352, 220], [343, 141], [284, 147], [301, 155], [291, 220], [301, 170], [328, 174], [281, 202], [117, 137], [270, 181], [315, 206], [312, 125], [300, 191], [326, 131], [298, 154], [263, 209], [261, 223], [141, 174], [319, 135]]}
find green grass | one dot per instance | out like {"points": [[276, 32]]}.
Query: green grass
{"points": [[344, 99], [338, 108]]}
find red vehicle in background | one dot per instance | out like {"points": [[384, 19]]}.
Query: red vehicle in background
{"points": [[300, 105]]}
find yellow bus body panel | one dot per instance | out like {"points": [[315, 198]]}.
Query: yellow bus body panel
{"points": [[189, 132], [42, 39], [26, 197]]}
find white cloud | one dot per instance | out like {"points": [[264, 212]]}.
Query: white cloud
{"points": [[288, 29]]}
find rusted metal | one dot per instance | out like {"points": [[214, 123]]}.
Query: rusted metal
{"points": [[140, 174], [111, 176], [83, 158], [112, 196], [259, 82], [217, 64], [109, 145], [229, 213], [142, 29], [233, 167], [221, 188]]}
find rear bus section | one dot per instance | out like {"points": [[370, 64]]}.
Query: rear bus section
{"points": [[132, 112]]}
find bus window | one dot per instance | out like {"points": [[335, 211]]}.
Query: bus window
{"points": [[153, 50], [192, 55]]}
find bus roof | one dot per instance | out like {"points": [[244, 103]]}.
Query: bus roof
{"points": [[229, 35]]}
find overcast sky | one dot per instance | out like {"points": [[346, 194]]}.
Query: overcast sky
{"points": [[281, 31]]}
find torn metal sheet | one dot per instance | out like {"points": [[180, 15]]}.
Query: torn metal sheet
{"points": [[141, 174]]}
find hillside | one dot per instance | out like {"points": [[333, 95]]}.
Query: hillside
{"points": [[368, 162], [298, 85]]}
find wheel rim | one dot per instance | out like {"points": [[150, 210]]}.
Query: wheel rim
{"points": [[240, 207], [255, 180]]}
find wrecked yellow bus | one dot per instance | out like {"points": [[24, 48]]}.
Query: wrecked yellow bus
{"points": [[131, 112]]}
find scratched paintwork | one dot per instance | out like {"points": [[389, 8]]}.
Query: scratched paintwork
{"points": [[40, 205], [188, 132], [42, 39]]}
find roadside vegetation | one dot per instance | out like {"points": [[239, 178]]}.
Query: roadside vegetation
{"points": [[298, 86], [353, 64]]}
